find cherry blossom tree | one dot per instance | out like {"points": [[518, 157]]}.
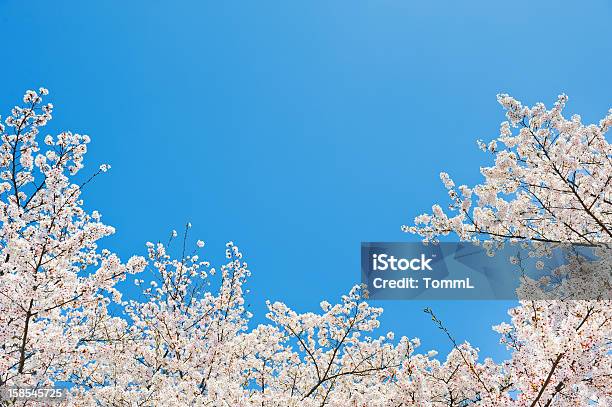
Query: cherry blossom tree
{"points": [[55, 284], [551, 182], [186, 340], [186, 345]]}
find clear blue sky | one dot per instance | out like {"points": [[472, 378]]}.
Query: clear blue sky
{"points": [[298, 129]]}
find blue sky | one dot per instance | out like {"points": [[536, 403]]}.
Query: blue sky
{"points": [[298, 129]]}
